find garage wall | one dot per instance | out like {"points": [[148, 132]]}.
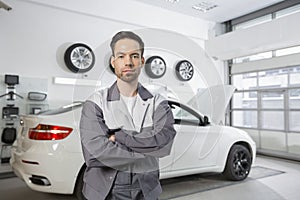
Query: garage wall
{"points": [[35, 34]]}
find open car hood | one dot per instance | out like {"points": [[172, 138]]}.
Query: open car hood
{"points": [[213, 101]]}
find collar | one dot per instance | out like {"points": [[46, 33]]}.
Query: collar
{"points": [[114, 93]]}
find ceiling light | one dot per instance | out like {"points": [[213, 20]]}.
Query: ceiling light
{"points": [[74, 81], [205, 6], [172, 1]]}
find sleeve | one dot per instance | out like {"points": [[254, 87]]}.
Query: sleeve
{"points": [[155, 141], [97, 149]]}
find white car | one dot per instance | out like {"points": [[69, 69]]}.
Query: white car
{"points": [[47, 154]]}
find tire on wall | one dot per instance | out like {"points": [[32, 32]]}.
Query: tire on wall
{"points": [[155, 67], [238, 163], [79, 58]]}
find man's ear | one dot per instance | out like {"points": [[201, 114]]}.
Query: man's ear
{"points": [[112, 61], [143, 61]]}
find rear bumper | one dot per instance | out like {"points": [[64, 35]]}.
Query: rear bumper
{"points": [[47, 173]]}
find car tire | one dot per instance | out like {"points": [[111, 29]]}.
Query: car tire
{"points": [[79, 58], [184, 70], [238, 163], [155, 67], [79, 185]]}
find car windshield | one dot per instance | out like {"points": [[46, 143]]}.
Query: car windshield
{"points": [[62, 109]]}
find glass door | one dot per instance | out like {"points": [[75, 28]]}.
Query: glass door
{"points": [[273, 116]]}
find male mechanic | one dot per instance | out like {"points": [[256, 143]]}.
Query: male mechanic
{"points": [[124, 130]]}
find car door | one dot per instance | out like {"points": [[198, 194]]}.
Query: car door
{"points": [[190, 138]]}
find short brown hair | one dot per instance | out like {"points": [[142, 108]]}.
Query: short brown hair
{"points": [[126, 35]]}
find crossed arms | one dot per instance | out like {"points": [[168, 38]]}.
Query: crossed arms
{"points": [[129, 146]]}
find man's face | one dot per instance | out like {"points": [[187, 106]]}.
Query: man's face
{"points": [[127, 60]]}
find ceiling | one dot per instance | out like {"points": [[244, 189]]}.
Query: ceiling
{"points": [[218, 10]]}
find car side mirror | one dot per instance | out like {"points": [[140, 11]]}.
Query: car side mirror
{"points": [[206, 120]]}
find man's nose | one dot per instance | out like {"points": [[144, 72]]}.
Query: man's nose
{"points": [[128, 61]]}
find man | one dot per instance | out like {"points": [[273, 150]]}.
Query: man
{"points": [[124, 130]]}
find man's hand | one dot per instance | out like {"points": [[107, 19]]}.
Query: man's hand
{"points": [[112, 138]]}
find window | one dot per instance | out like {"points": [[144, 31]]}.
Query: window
{"points": [[253, 22], [244, 99], [254, 57], [268, 54], [272, 100], [267, 100], [272, 120], [294, 121], [287, 11], [272, 79], [184, 116], [295, 77], [244, 118], [271, 14], [287, 51], [294, 98], [245, 81]]}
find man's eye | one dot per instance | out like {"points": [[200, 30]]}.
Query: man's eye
{"points": [[121, 56], [135, 56]]}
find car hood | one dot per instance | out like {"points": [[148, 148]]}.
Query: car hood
{"points": [[213, 101]]}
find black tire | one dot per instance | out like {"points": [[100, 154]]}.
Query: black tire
{"points": [[238, 163], [184, 70], [79, 58], [155, 67], [79, 185]]}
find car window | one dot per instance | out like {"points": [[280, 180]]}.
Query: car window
{"points": [[184, 116]]}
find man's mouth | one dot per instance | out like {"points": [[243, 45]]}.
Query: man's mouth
{"points": [[127, 70]]}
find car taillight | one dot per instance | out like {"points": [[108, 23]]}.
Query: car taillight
{"points": [[49, 132]]}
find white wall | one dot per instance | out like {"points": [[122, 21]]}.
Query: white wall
{"points": [[35, 34], [279, 33]]}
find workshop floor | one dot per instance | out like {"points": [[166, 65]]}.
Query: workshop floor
{"points": [[270, 179]]}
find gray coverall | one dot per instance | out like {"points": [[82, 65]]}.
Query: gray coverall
{"points": [[140, 140]]}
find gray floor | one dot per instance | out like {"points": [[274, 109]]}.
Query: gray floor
{"points": [[270, 179]]}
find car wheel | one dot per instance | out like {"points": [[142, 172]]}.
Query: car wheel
{"points": [[155, 67], [79, 58], [79, 185], [184, 70], [238, 163]]}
